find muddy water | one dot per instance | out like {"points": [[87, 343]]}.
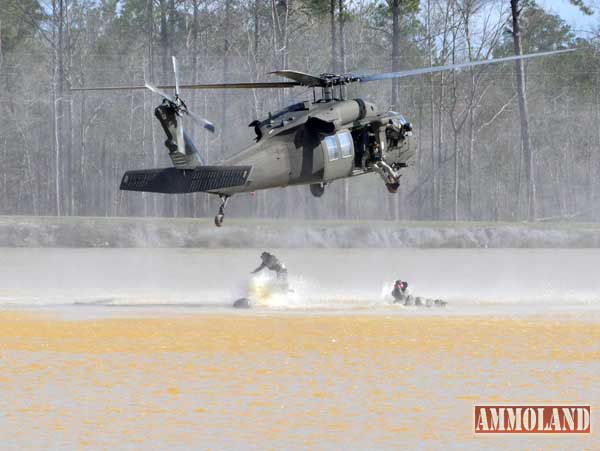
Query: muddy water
{"points": [[213, 381]]}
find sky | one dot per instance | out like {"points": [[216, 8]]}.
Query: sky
{"points": [[572, 15]]}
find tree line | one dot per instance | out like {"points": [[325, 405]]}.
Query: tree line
{"points": [[506, 142]]}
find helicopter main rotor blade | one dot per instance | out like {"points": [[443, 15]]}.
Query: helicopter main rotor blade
{"points": [[300, 77], [325, 80], [249, 85], [111, 88], [176, 76], [430, 70]]}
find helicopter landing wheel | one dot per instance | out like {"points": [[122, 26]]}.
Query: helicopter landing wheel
{"points": [[221, 215]]}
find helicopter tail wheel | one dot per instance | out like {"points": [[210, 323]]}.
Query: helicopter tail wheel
{"points": [[221, 215]]}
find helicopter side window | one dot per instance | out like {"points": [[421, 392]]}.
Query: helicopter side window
{"points": [[333, 151], [345, 143]]}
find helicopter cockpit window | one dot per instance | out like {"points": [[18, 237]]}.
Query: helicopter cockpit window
{"points": [[398, 120], [345, 143], [333, 151]]}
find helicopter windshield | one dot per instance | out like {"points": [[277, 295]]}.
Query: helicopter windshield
{"points": [[397, 119]]}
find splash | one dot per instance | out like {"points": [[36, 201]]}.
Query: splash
{"points": [[319, 278], [266, 290]]}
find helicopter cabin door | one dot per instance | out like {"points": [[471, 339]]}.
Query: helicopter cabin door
{"points": [[338, 155]]}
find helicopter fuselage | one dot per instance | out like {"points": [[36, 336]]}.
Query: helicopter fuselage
{"points": [[317, 143]]}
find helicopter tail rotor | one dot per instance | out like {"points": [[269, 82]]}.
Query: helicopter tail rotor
{"points": [[182, 107], [171, 114]]}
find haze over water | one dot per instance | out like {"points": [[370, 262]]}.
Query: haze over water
{"points": [[328, 278]]}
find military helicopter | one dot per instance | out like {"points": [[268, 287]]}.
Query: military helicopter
{"points": [[306, 143]]}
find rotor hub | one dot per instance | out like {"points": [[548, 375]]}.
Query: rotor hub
{"points": [[329, 79]]}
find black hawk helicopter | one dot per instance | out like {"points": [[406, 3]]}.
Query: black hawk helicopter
{"points": [[306, 143]]}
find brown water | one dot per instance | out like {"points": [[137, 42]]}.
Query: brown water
{"points": [[286, 381]]}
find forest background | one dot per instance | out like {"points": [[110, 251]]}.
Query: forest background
{"points": [[63, 153]]}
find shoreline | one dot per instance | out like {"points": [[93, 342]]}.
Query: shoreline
{"points": [[97, 232]]}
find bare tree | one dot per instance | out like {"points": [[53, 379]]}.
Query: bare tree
{"points": [[526, 148]]}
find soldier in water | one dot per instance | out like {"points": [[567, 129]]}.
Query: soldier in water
{"points": [[400, 291], [271, 262]]}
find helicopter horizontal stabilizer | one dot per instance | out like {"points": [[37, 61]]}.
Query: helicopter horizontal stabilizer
{"points": [[178, 181]]}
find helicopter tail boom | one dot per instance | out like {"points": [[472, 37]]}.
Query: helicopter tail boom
{"points": [[178, 181]]}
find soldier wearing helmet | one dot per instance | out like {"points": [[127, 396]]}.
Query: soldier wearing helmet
{"points": [[400, 291], [272, 263]]}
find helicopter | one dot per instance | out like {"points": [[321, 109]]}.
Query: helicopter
{"points": [[307, 143]]}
